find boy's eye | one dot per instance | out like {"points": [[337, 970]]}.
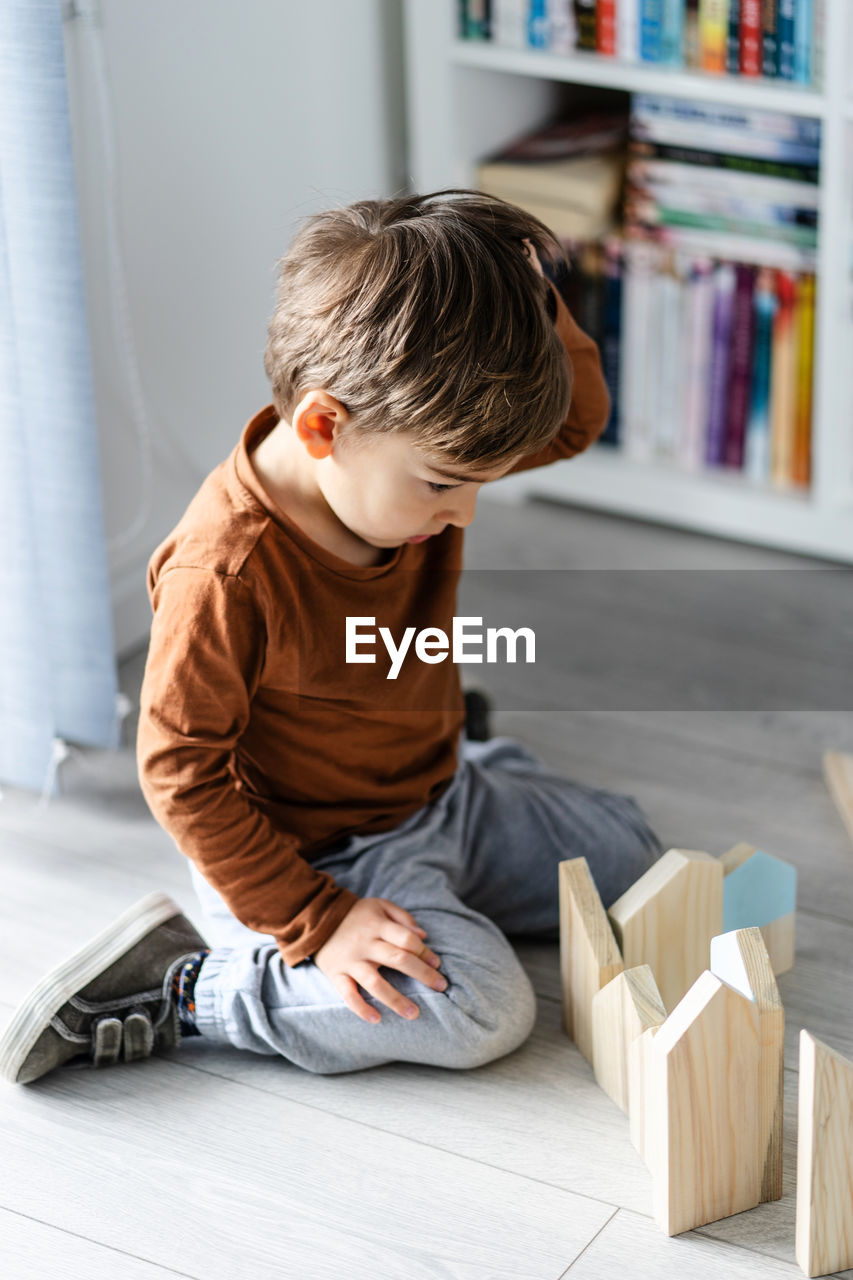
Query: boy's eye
{"points": [[439, 488]]}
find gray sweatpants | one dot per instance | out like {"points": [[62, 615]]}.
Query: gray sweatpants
{"points": [[474, 866]]}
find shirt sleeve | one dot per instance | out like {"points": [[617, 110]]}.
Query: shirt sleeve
{"points": [[204, 663], [590, 407]]}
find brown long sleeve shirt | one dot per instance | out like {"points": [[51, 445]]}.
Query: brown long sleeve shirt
{"points": [[258, 746]]}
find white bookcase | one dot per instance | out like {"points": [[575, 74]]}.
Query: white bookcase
{"points": [[465, 99]]}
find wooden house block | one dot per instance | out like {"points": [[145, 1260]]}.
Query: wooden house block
{"points": [[762, 891], [741, 960], [824, 1236], [838, 775], [736, 856], [639, 1072], [668, 918], [589, 956], [702, 1108], [621, 1011]]}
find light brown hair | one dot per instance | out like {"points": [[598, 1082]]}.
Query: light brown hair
{"points": [[423, 314]]}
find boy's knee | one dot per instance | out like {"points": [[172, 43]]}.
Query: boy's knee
{"points": [[489, 1018]]}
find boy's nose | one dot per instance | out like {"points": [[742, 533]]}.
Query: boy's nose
{"points": [[462, 512]]}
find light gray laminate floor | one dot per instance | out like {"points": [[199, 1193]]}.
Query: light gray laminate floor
{"points": [[221, 1165]]}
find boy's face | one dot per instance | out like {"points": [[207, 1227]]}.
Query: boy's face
{"points": [[383, 487]]}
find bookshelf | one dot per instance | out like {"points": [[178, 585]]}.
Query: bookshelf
{"points": [[466, 99]]}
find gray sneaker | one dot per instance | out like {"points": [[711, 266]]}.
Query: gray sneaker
{"points": [[110, 1001]]}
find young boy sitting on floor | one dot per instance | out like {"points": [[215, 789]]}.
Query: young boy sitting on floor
{"points": [[353, 850]]}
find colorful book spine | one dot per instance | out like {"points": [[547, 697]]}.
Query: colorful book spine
{"points": [[537, 25], [641, 264], [805, 312], [611, 339], [605, 32], [751, 49], [475, 19], [699, 329], [651, 30], [713, 115], [669, 292], [691, 34], [724, 292], [757, 448], [783, 384], [720, 160], [628, 31], [672, 33], [770, 38], [818, 42], [741, 364], [586, 24], [562, 32], [803, 42], [713, 34], [733, 42], [785, 38], [509, 23]]}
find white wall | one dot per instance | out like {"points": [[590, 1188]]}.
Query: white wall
{"points": [[232, 119]]}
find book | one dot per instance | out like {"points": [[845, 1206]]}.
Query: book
{"points": [[730, 247], [586, 24], [751, 48], [589, 184], [803, 20], [699, 312], [757, 445], [724, 291], [804, 347], [691, 34], [640, 269], [785, 38], [589, 134], [733, 41], [509, 23], [714, 160], [672, 33], [475, 19], [611, 337], [538, 35], [770, 125], [783, 383], [743, 324], [668, 368], [605, 31], [651, 30], [713, 34], [654, 174], [627, 31], [770, 38], [562, 31]]}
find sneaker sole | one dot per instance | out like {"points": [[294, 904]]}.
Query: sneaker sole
{"points": [[51, 993]]}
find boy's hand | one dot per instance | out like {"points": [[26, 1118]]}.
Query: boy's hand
{"points": [[374, 932]]}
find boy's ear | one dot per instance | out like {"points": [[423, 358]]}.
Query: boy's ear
{"points": [[315, 420]]}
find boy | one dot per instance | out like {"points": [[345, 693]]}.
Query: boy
{"points": [[352, 849]]}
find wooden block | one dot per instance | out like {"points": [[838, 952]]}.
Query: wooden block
{"points": [[779, 939], [838, 775], [741, 959], [736, 857], [589, 956], [824, 1237], [702, 1100], [668, 918], [762, 891], [621, 1011], [639, 1071]]}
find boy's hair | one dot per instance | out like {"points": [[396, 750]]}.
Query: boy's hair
{"points": [[423, 314]]}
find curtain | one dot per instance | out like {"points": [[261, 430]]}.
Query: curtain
{"points": [[58, 679]]}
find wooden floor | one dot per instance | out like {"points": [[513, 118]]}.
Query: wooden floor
{"points": [[221, 1165]]}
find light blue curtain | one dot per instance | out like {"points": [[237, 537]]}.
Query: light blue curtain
{"points": [[58, 676]]}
